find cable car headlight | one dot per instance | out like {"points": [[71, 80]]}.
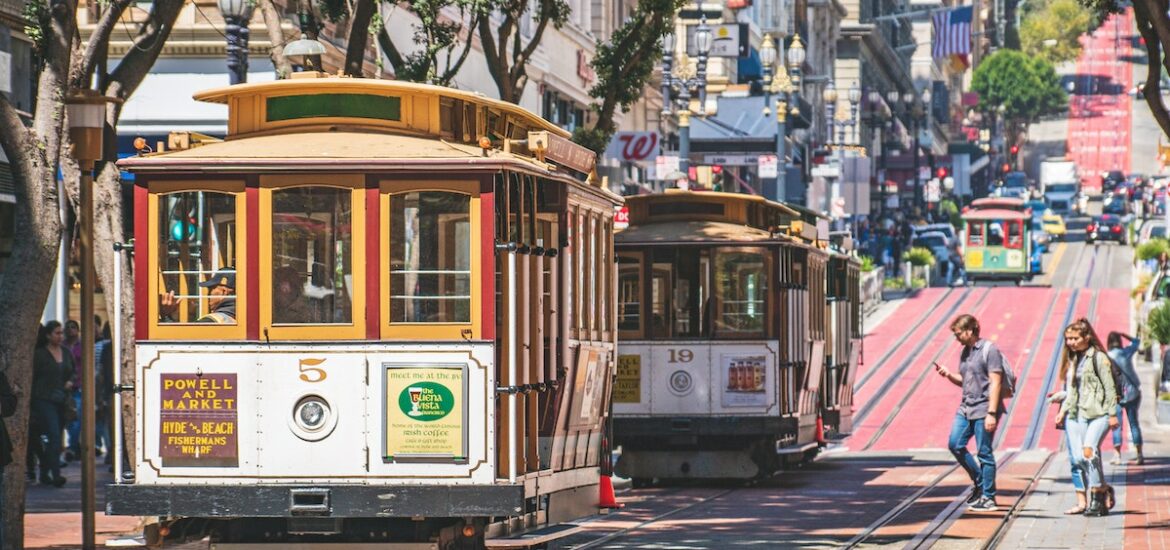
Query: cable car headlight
{"points": [[313, 418], [311, 414]]}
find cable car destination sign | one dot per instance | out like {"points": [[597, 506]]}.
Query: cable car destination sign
{"points": [[199, 419]]}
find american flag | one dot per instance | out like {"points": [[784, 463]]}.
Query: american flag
{"points": [[952, 32]]}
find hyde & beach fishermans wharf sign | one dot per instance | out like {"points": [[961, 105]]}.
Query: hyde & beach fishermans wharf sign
{"points": [[425, 413], [199, 419]]}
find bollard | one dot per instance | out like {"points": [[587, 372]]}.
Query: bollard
{"points": [[906, 274]]}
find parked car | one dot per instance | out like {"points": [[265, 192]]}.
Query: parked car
{"points": [[1040, 238], [936, 241], [1153, 229], [1054, 225], [1106, 227]]}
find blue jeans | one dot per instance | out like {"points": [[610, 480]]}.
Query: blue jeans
{"points": [[1074, 462], [982, 473], [48, 421], [74, 428], [1135, 427], [1086, 435]]}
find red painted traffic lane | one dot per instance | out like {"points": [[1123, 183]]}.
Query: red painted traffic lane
{"points": [[939, 318], [1003, 320], [882, 341], [1101, 109], [1035, 356], [873, 428]]}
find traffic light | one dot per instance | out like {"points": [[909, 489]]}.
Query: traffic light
{"points": [[1015, 150], [941, 173], [1007, 168]]}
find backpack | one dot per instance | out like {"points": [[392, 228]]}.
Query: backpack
{"points": [[1008, 387], [1114, 371]]}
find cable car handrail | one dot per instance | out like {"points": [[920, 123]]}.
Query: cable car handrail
{"points": [[432, 271]]}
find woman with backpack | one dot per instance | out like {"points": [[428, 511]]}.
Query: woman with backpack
{"points": [[1131, 393], [1089, 410]]}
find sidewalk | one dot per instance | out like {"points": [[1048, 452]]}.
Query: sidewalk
{"points": [[1141, 515], [53, 516]]}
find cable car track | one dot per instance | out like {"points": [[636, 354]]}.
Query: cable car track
{"points": [[890, 380], [871, 372]]}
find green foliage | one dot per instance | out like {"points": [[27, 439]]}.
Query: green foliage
{"points": [[1152, 249], [1027, 87], [333, 10], [867, 264], [1159, 323], [1060, 23], [919, 256], [917, 283], [894, 283], [435, 34], [36, 13], [593, 139]]}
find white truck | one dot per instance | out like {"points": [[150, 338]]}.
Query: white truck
{"points": [[1060, 184]]}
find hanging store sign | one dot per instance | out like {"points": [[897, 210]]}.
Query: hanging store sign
{"points": [[665, 165], [768, 166], [621, 217], [726, 40], [562, 151], [198, 419], [634, 146], [426, 416]]}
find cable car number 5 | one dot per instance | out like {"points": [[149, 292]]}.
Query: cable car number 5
{"points": [[310, 372]]}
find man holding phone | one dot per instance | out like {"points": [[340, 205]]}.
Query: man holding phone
{"points": [[980, 375]]}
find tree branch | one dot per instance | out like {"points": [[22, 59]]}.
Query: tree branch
{"points": [[99, 41], [391, 51], [362, 13], [450, 72], [1154, 44], [272, 22], [148, 44]]}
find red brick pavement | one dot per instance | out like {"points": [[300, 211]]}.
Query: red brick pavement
{"points": [[1147, 523]]}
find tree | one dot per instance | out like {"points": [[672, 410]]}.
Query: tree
{"points": [[36, 148], [1153, 24], [503, 41], [624, 64], [1053, 30], [1026, 88], [442, 45]]}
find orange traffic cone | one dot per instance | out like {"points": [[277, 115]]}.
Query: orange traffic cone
{"points": [[608, 499], [820, 431]]}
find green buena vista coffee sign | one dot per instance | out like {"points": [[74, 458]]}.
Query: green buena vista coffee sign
{"points": [[425, 412], [426, 401]]}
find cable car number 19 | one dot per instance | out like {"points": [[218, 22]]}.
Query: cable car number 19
{"points": [[680, 355]]}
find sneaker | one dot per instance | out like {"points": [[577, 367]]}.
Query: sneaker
{"points": [[985, 504], [976, 494], [1116, 458]]}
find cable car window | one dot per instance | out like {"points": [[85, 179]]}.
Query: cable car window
{"points": [[630, 295], [741, 293], [1015, 230], [995, 235], [430, 257], [197, 248], [690, 293], [312, 251], [975, 233]]}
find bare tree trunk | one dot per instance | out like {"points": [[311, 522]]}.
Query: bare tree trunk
{"points": [[359, 37], [276, 36]]}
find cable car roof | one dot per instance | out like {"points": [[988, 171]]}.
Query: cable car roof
{"points": [[998, 202], [328, 151], [995, 214], [680, 232]]}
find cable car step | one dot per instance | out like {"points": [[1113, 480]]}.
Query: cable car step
{"points": [[543, 535]]}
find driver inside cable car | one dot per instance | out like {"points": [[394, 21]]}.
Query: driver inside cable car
{"points": [[221, 300]]}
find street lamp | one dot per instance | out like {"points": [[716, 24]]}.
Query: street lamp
{"points": [[85, 111], [677, 87], [236, 15], [876, 120], [783, 87]]}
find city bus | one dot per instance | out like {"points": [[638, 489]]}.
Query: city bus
{"points": [[376, 312]]}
